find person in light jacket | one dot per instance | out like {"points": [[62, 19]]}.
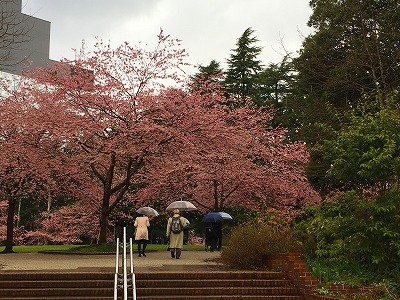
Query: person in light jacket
{"points": [[175, 239], [142, 233]]}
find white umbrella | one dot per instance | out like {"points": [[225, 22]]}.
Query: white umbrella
{"points": [[225, 216], [181, 205], [148, 211]]}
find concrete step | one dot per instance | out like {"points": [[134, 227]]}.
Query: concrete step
{"points": [[214, 297], [149, 285], [210, 297], [142, 283], [218, 290]]}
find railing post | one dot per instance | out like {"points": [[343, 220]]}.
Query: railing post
{"points": [[132, 272], [125, 271], [116, 271], [124, 276]]}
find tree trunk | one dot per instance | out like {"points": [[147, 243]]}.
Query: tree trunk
{"points": [[215, 195], [10, 225], [119, 190], [105, 212], [103, 226]]}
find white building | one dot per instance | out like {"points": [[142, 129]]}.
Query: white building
{"points": [[31, 48]]}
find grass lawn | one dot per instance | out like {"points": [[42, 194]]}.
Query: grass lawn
{"points": [[93, 248], [33, 249]]}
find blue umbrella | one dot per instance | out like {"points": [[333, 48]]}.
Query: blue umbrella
{"points": [[212, 217], [216, 216]]}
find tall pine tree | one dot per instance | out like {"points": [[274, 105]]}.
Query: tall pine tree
{"points": [[244, 67]]}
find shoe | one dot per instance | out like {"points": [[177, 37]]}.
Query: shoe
{"points": [[140, 255], [178, 253], [144, 254]]}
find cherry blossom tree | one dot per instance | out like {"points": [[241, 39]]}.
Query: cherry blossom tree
{"points": [[126, 129], [99, 108], [227, 156], [31, 160]]}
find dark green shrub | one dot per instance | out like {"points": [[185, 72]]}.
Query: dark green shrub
{"points": [[363, 231], [249, 245], [356, 240], [384, 290]]}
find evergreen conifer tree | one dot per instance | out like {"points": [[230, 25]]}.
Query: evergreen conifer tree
{"points": [[244, 67]]}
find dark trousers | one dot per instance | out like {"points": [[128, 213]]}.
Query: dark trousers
{"points": [[176, 252], [141, 245]]}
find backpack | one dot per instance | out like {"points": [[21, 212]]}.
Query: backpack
{"points": [[176, 225]]}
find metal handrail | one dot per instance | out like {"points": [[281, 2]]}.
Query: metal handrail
{"points": [[132, 272], [124, 274], [116, 271], [125, 278]]}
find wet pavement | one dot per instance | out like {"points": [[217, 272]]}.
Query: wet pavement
{"points": [[155, 260]]}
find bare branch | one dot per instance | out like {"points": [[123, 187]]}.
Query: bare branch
{"points": [[14, 32]]}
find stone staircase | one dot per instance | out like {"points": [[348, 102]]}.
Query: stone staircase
{"points": [[149, 285]]}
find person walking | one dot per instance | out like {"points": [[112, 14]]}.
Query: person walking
{"points": [[174, 233], [141, 233], [210, 235]]}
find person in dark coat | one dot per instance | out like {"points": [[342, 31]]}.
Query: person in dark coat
{"points": [[218, 234], [210, 236]]}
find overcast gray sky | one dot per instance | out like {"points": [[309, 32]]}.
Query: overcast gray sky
{"points": [[209, 29]]}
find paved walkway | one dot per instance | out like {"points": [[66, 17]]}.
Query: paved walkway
{"points": [[157, 260]]}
